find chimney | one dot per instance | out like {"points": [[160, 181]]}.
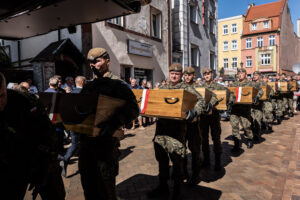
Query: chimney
{"points": [[251, 5], [298, 27]]}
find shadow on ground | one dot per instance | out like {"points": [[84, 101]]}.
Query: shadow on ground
{"points": [[125, 152], [137, 187]]}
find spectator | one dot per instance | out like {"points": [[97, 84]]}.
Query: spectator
{"points": [[12, 85], [24, 86], [163, 82], [59, 84], [79, 83], [69, 82], [53, 85], [249, 78], [144, 84], [157, 85], [33, 89], [220, 81], [199, 81], [67, 89], [133, 84], [149, 85]]}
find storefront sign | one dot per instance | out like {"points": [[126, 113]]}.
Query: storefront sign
{"points": [[230, 71], [138, 48]]}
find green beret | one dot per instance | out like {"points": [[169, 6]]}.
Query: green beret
{"points": [[242, 70]]}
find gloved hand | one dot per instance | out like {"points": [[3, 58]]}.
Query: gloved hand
{"points": [[208, 107], [229, 106], [256, 99], [191, 114]]}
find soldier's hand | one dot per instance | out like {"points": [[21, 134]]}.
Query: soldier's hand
{"points": [[208, 107], [191, 114], [256, 99], [270, 97]]}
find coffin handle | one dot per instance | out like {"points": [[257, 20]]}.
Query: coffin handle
{"points": [[82, 112], [174, 100], [221, 99], [138, 101], [246, 94]]}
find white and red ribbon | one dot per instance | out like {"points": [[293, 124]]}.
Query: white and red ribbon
{"points": [[238, 94], [144, 101], [278, 83]]}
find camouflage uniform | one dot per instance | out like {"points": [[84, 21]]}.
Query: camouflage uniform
{"points": [[257, 114], [268, 108], [242, 113], [212, 122], [170, 139], [290, 100], [28, 150]]}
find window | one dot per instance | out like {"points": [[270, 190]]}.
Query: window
{"points": [[234, 62], [265, 59], [248, 43], [266, 24], [272, 40], [117, 21], [193, 14], [225, 46], [225, 29], [248, 61], [225, 63], [260, 42], [234, 28], [156, 23], [254, 27], [194, 55], [212, 25], [234, 45]]}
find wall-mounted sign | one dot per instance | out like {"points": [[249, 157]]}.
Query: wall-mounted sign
{"points": [[138, 48]]}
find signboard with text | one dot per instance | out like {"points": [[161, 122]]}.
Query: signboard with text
{"points": [[138, 48]]}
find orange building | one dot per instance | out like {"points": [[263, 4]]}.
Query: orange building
{"points": [[269, 43]]}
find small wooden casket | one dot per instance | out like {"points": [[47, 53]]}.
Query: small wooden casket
{"points": [[172, 104], [294, 84], [283, 87], [267, 90], [244, 95], [81, 113], [205, 93], [273, 85], [223, 98]]}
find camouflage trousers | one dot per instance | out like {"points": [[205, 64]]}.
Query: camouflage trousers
{"points": [[290, 104], [257, 116], [98, 167], [242, 117], [211, 122], [284, 104], [267, 112], [279, 109], [194, 141]]}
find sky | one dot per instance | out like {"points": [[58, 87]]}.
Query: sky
{"points": [[230, 8]]}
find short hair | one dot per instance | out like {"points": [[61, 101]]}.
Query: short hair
{"points": [[53, 81], [57, 77], [2, 81], [78, 78], [68, 78]]}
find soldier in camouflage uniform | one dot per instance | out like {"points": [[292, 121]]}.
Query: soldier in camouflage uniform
{"points": [[285, 96], [211, 120], [268, 108], [242, 113], [170, 138], [290, 97], [278, 103], [99, 156], [256, 110], [193, 136], [28, 148]]}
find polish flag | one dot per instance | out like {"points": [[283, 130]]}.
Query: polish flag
{"points": [[144, 101], [238, 94]]}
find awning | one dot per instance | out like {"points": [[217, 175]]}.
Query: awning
{"points": [[20, 19]]}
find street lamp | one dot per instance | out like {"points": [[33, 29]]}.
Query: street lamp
{"points": [[241, 64]]}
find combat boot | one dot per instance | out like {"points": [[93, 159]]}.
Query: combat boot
{"points": [[206, 160], [162, 190], [237, 146], [249, 144], [218, 166], [291, 114], [279, 119]]}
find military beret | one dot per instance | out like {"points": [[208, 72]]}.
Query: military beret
{"points": [[189, 70], [96, 53], [256, 72], [242, 70], [175, 67], [206, 70]]}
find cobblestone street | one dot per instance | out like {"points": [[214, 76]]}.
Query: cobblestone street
{"points": [[271, 170]]}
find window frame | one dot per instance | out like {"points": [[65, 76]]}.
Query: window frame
{"points": [[227, 63], [265, 57], [226, 46], [273, 39], [114, 21], [260, 41], [248, 60], [249, 41], [155, 12], [254, 26], [266, 22], [236, 63], [223, 29], [233, 28], [197, 59], [236, 44]]}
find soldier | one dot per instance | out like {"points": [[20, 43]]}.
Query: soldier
{"points": [[284, 95], [211, 120], [268, 108], [170, 139], [278, 103], [193, 136], [242, 113], [290, 96], [28, 148], [99, 156], [256, 110]]}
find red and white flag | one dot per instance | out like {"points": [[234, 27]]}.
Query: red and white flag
{"points": [[144, 101], [238, 94]]}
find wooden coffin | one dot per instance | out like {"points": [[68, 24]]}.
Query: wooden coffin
{"points": [[244, 95], [267, 90], [223, 98], [283, 87], [273, 85], [171, 104], [205, 93], [294, 86], [81, 113]]}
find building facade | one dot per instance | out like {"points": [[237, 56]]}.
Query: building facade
{"points": [[229, 45], [269, 44], [194, 33]]}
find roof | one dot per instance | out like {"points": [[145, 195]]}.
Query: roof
{"points": [[65, 47], [230, 18], [270, 11]]}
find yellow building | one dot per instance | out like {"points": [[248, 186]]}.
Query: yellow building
{"points": [[229, 47]]}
